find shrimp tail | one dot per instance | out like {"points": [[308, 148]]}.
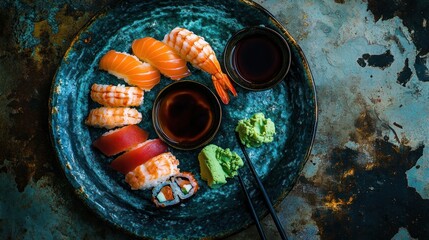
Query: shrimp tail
{"points": [[222, 84]]}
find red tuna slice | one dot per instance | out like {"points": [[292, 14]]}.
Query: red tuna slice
{"points": [[139, 155], [120, 140]]}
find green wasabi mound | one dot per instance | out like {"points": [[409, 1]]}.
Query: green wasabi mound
{"points": [[217, 164], [256, 130]]}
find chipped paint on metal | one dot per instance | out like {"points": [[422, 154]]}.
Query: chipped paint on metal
{"points": [[350, 97], [297, 218], [418, 177], [337, 204], [36, 213], [36, 34], [311, 168], [403, 234], [370, 161]]}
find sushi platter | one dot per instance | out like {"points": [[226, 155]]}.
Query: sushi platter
{"points": [[143, 104]]}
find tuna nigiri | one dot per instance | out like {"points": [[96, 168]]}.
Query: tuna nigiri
{"points": [[138, 155], [120, 140], [161, 56], [130, 69], [153, 172]]}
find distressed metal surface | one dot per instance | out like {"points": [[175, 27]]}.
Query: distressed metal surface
{"points": [[368, 175]]}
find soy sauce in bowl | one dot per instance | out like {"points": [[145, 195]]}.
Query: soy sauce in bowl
{"points": [[257, 58], [186, 115]]}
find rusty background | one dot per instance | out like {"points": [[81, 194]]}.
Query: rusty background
{"points": [[367, 177]]}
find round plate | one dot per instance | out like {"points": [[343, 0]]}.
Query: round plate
{"points": [[211, 212]]}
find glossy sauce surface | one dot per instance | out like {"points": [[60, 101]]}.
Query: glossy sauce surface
{"points": [[185, 115], [257, 58]]}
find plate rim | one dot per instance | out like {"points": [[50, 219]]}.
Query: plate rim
{"points": [[79, 189], [311, 83]]}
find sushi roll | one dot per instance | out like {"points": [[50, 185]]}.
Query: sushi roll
{"points": [[138, 155], [156, 170], [120, 139], [165, 194], [186, 184]]}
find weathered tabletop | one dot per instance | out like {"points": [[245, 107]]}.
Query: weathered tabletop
{"points": [[367, 176]]}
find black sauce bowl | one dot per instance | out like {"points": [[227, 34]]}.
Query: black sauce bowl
{"points": [[271, 35], [208, 96]]}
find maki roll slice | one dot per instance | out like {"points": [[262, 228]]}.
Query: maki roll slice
{"points": [[186, 184], [179, 187], [165, 194]]}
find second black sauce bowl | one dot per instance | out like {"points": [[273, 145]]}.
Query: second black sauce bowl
{"points": [[257, 58]]}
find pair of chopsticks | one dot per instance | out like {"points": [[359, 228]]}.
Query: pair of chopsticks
{"points": [[264, 194]]}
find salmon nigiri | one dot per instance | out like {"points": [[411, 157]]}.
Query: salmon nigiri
{"points": [[161, 56], [129, 68]]}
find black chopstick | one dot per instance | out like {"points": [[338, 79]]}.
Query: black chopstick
{"points": [[262, 189], [252, 209]]}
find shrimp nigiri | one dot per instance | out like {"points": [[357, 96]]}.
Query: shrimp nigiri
{"points": [[109, 117], [197, 51], [129, 68], [161, 56], [116, 96], [153, 172]]}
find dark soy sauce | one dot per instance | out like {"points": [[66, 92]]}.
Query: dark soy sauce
{"points": [[257, 58], [185, 115]]}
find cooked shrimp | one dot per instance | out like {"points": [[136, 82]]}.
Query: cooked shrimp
{"points": [[116, 96], [161, 56], [153, 172], [129, 68], [108, 117], [197, 51]]}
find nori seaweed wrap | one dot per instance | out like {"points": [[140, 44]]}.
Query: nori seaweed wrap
{"points": [[165, 194], [171, 192], [186, 184]]}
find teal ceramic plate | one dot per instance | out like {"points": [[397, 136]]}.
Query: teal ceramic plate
{"points": [[212, 212]]}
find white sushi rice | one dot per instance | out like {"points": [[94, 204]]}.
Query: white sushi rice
{"points": [[112, 131]]}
